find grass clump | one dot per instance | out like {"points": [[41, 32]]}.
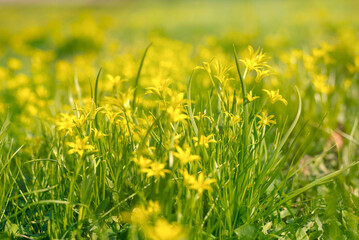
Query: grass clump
{"points": [[102, 138]]}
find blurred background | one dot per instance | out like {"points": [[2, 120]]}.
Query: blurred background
{"points": [[266, 21]]}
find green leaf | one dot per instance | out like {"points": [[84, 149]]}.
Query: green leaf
{"points": [[301, 234], [246, 232], [11, 228]]}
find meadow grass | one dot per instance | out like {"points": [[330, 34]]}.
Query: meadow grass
{"points": [[177, 140]]}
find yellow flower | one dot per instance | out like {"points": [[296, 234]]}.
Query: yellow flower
{"points": [[265, 120], [157, 170], [66, 123], [163, 230], [202, 184], [176, 98], [176, 114], [205, 66], [98, 134], [143, 163], [111, 115], [141, 215], [309, 62], [274, 96], [201, 116], [114, 82], [250, 97], [80, 121], [154, 90], [234, 119], [185, 156], [354, 67], [261, 73], [222, 73], [319, 82], [79, 146], [64, 71], [255, 60], [122, 100], [204, 141], [153, 207], [188, 178], [14, 64]]}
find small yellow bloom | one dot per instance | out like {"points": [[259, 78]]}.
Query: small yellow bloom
{"points": [[163, 230], [143, 163], [201, 116], [111, 116], [320, 84], [265, 120], [79, 146], [185, 156], [122, 100], [261, 73], [80, 121], [114, 81], [65, 123], [14, 64], [274, 96], [221, 73], [98, 134], [202, 184], [255, 60], [157, 170], [176, 114], [153, 207], [250, 96], [188, 178], [154, 90], [141, 215], [234, 119], [177, 98], [204, 141]]}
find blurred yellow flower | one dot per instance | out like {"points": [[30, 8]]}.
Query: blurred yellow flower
{"points": [[156, 169], [274, 96], [163, 230], [141, 215], [143, 163], [185, 155], [114, 82], [98, 134], [201, 116], [80, 121], [153, 207], [202, 184], [250, 96], [79, 146], [188, 178], [111, 115], [261, 73], [319, 82], [265, 119], [14, 64], [234, 119], [255, 60], [65, 123], [176, 114], [204, 140]]}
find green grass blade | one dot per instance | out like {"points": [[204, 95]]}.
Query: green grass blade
{"points": [[317, 182], [190, 113], [138, 76]]}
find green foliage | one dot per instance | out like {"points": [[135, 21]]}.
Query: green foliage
{"points": [[104, 138]]}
